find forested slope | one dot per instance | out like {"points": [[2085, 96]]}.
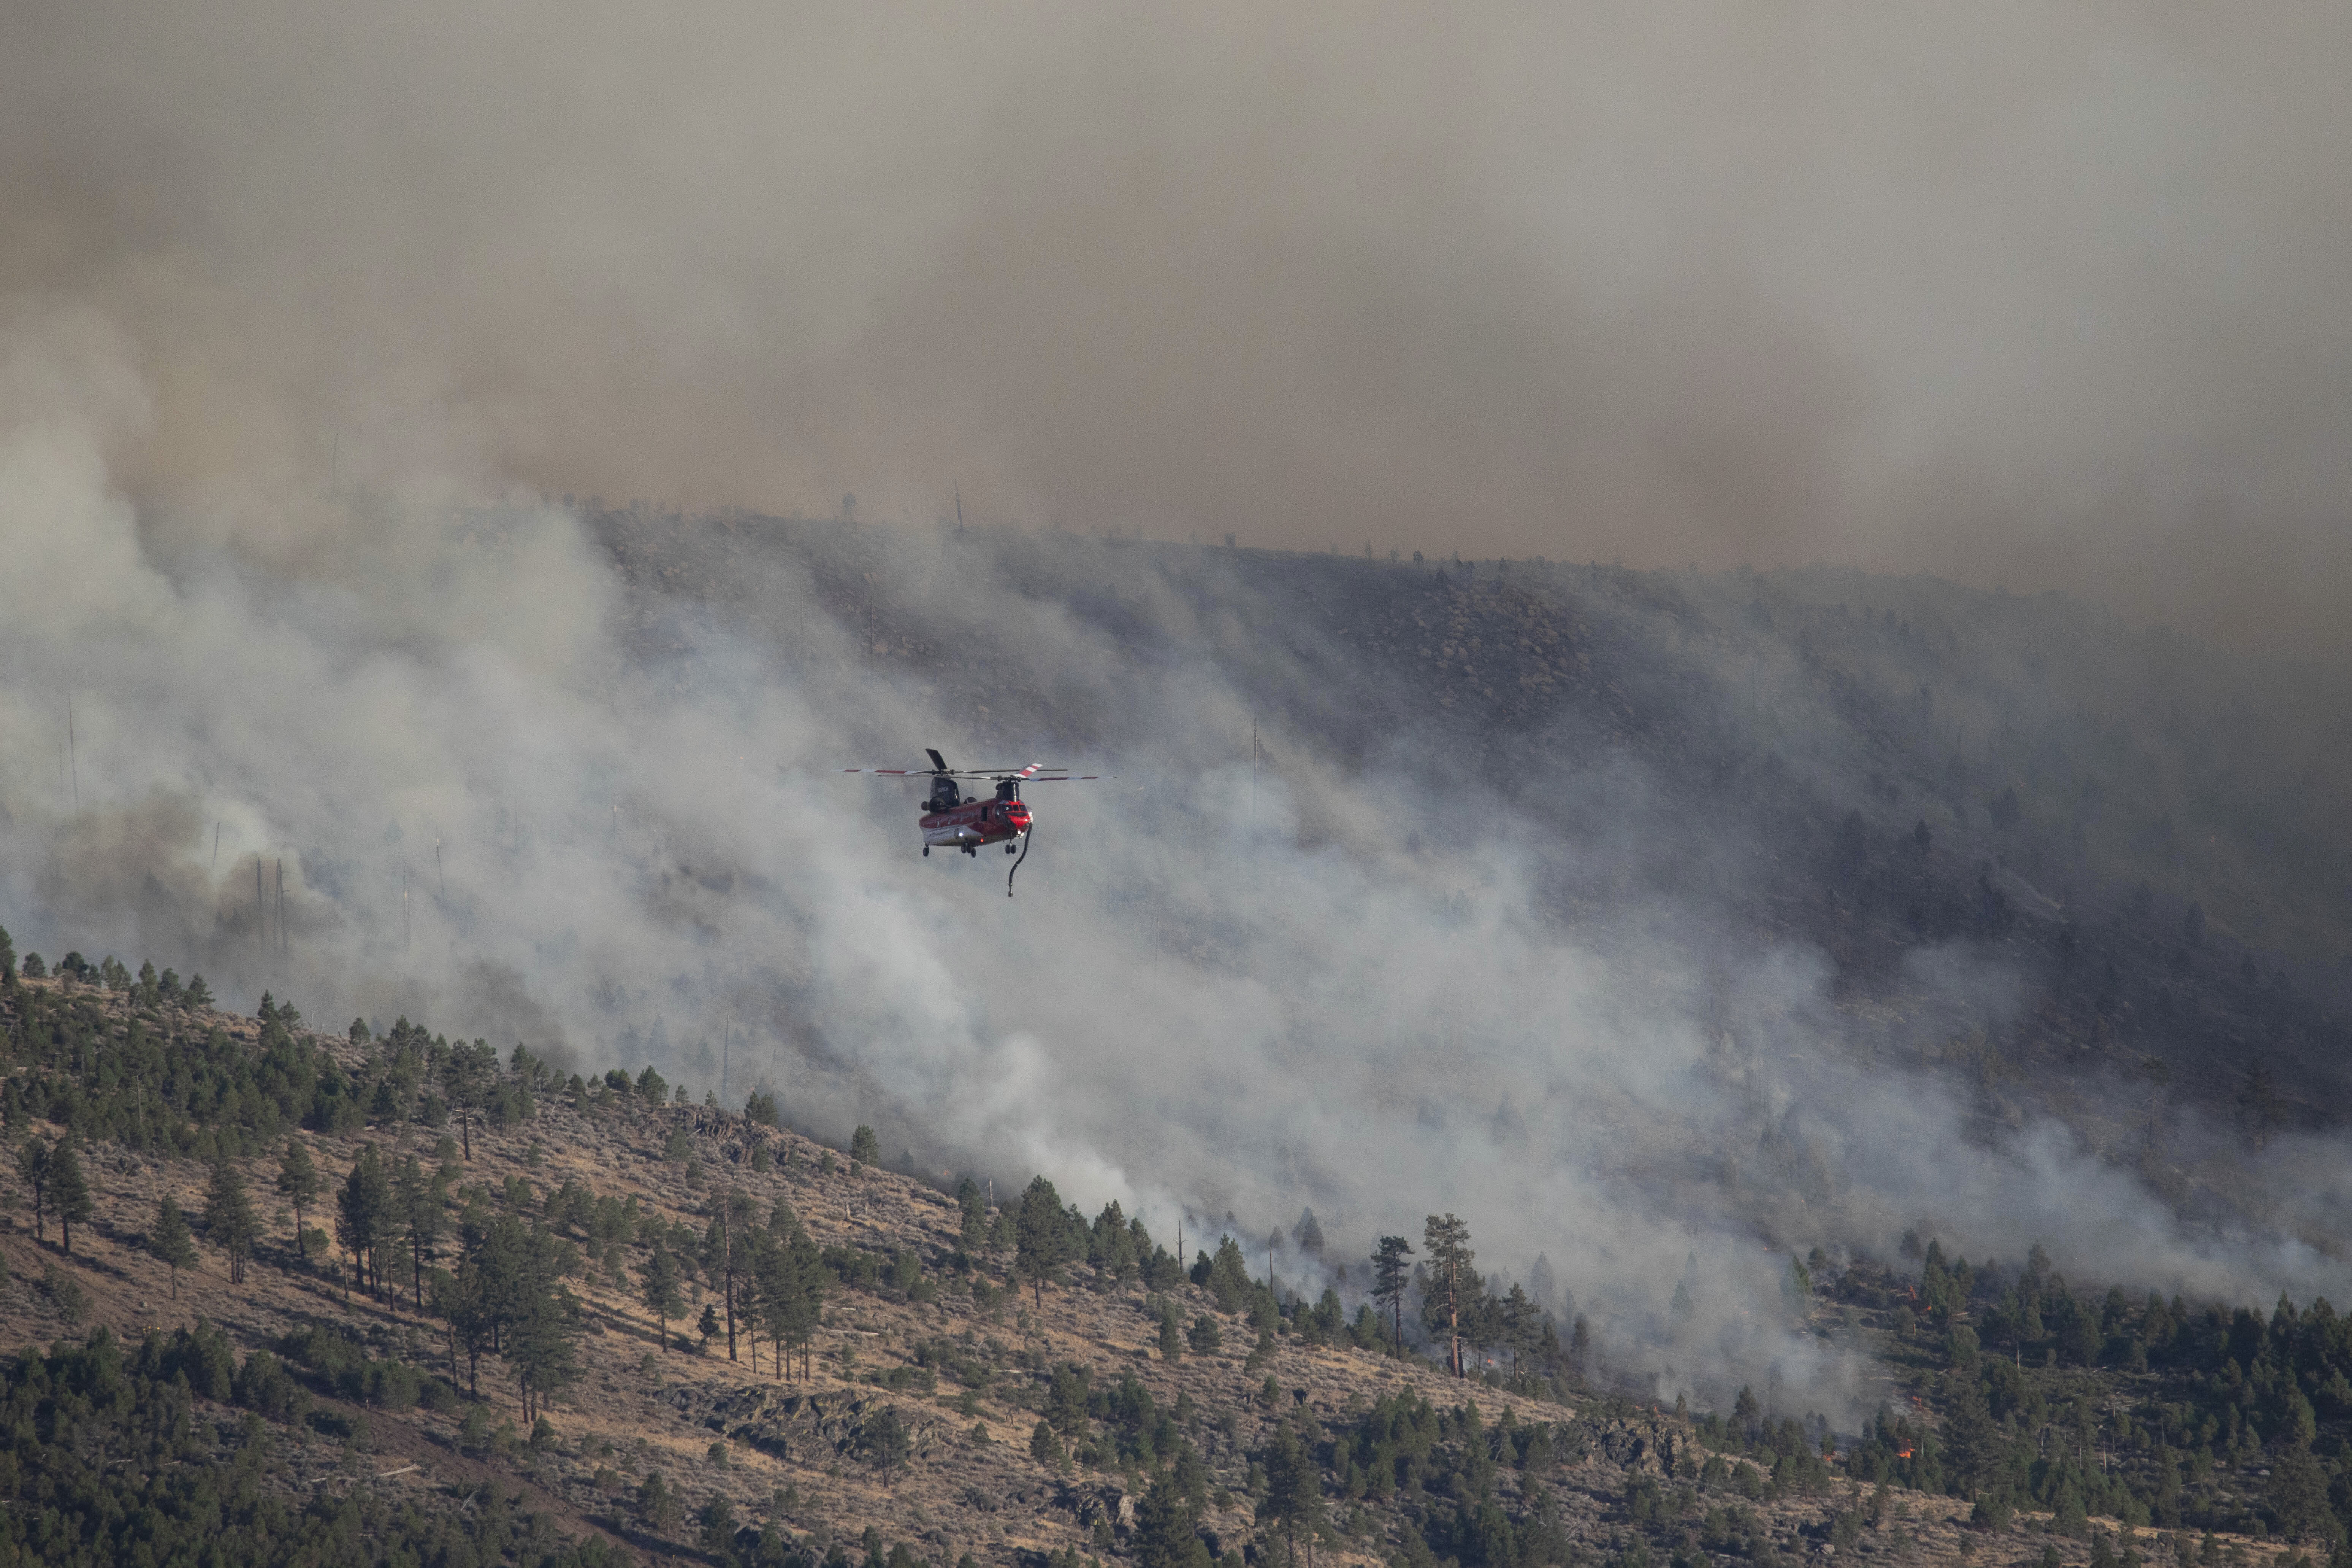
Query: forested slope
{"points": [[432, 1304]]}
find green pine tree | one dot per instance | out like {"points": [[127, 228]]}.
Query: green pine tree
{"points": [[1391, 1275], [297, 1184], [658, 1289], [418, 1206], [171, 1245], [1041, 1236], [1045, 1447], [33, 1162], [364, 1223], [1167, 1527], [883, 1436], [1293, 1487], [69, 1192], [229, 1221], [1453, 1284]]}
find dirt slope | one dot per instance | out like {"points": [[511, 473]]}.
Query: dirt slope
{"points": [[791, 1452]]}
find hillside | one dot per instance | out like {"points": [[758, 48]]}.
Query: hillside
{"points": [[947, 1410], [2132, 833]]}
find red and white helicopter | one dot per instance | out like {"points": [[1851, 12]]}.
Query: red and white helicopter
{"points": [[954, 820]]}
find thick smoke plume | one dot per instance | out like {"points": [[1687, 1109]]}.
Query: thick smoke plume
{"points": [[2044, 298], [283, 291]]}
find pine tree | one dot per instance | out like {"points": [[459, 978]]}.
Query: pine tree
{"points": [[658, 1289], [1390, 1275], [297, 1184], [1229, 1280], [68, 1190], [466, 1078], [33, 1162], [542, 1329], [229, 1221], [462, 1302], [418, 1205], [1042, 1241], [1451, 1278], [727, 1255], [974, 1208], [750, 1305], [1044, 1446], [363, 1217], [1167, 1527], [1972, 1442], [2298, 1492], [883, 1435], [805, 1306], [171, 1244], [1294, 1488]]}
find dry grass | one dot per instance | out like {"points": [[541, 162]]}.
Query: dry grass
{"points": [[792, 1455]]}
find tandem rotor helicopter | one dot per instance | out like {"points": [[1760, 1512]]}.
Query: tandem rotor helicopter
{"points": [[954, 820]]}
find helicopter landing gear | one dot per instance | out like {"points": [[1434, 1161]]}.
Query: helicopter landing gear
{"points": [[1012, 848], [1017, 864]]}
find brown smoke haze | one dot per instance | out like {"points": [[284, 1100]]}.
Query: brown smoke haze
{"points": [[2042, 296], [2047, 297]]}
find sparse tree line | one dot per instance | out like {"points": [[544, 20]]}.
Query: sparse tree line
{"points": [[1455, 1308], [492, 1265], [171, 1079]]}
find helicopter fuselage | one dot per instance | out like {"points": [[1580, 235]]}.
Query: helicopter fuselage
{"points": [[974, 824]]}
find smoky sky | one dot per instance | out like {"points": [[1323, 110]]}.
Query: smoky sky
{"points": [[2037, 297]]}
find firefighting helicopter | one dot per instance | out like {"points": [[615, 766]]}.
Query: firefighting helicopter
{"points": [[954, 820]]}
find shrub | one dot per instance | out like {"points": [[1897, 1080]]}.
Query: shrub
{"points": [[64, 1293], [474, 1435], [658, 1505], [1045, 1447], [264, 1386]]}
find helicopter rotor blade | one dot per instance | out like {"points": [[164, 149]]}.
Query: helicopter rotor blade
{"points": [[994, 773]]}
